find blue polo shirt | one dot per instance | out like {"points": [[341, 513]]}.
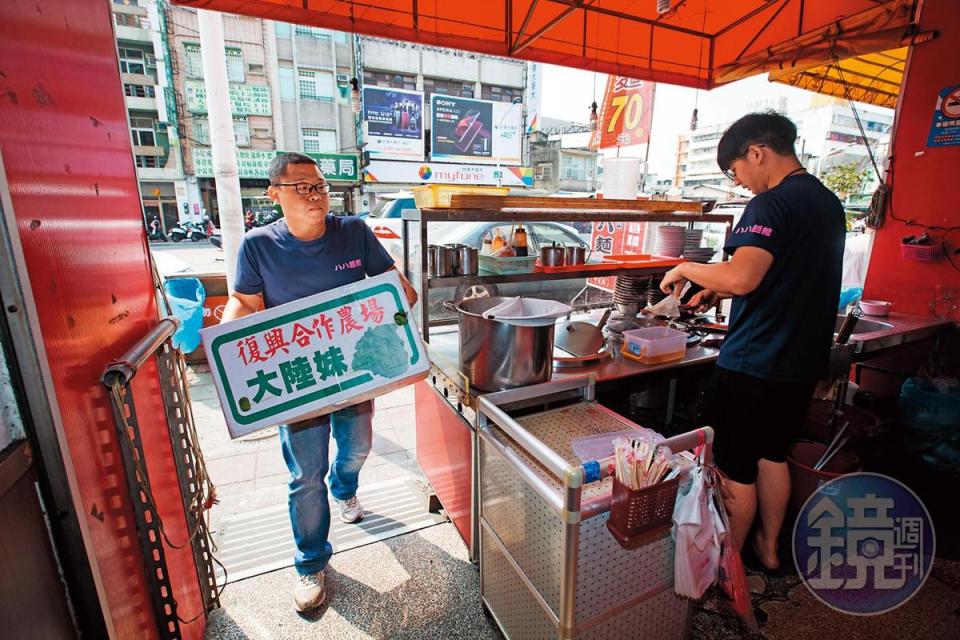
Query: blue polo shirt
{"points": [[783, 329], [272, 261]]}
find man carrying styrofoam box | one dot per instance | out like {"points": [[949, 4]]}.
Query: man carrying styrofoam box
{"points": [[336, 333]]}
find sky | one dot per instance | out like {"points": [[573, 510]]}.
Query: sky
{"points": [[567, 94]]}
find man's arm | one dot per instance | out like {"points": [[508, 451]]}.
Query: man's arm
{"points": [[408, 289], [739, 276], [239, 305]]}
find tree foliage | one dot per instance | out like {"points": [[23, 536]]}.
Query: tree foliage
{"points": [[845, 179]]}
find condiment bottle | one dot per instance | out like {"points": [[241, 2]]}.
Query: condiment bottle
{"points": [[498, 242], [520, 242], [486, 248]]}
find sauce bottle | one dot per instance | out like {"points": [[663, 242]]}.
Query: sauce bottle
{"points": [[520, 242]]}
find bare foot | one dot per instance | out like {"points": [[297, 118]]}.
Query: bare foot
{"points": [[767, 553]]}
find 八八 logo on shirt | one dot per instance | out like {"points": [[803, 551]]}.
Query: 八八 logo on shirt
{"points": [[352, 264]]}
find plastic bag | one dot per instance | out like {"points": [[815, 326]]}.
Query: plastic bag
{"points": [[849, 295], [527, 312], [732, 576], [186, 296], [699, 533]]}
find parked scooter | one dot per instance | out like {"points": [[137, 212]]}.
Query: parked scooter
{"points": [[155, 231], [178, 232], [195, 232]]}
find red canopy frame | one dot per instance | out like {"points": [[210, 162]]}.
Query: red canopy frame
{"points": [[697, 43]]}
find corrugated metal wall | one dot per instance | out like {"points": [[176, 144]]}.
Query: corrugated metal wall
{"points": [[67, 150]]}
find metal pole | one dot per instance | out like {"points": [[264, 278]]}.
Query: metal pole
{"points": [[222, 141]]}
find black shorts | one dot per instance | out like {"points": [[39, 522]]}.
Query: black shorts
{"points": [[753, 418]]}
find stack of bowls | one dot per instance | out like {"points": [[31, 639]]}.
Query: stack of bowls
{"points": [[670, 240]]}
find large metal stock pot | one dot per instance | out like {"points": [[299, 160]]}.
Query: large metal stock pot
{"points": [[494, 355]]}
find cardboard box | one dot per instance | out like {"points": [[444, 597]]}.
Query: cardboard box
{"points": [[315, 355]]}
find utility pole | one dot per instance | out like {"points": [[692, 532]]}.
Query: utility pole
{"points": [[223, 144]]}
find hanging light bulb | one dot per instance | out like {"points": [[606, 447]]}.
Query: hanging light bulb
{"points": [[593, 116], [663, 6], [693, 120], [355, 95]]}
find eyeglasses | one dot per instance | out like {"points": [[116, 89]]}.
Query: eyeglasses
{"points": [[305, 188], [730, 173]]}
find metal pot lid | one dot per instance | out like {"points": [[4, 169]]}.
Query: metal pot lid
{"points": [[578, 338]]}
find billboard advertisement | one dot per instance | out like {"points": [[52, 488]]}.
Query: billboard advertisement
{"points": [[394, 120], [476, 131]]}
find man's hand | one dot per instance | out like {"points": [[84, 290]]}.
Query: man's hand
{"points": [[673, 281], [703, 300], [408, 289]]}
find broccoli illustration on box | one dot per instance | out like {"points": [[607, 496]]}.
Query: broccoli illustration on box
{"points": [[381, 352]]}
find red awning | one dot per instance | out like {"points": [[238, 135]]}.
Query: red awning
{"points": [[698, 43]]}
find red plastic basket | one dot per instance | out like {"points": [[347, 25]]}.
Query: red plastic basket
{"points": [[636, 516], [920, 252]]}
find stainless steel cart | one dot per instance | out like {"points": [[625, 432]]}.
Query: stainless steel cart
{"points": [[549, 568]]}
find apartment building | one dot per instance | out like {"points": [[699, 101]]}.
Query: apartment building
{"points": [[412, 69], [140, 27]]}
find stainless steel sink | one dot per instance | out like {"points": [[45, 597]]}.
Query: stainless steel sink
{"points": [[864, 325]]}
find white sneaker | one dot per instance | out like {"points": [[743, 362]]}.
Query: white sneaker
{"points": [[350, 510], [309, 592]]}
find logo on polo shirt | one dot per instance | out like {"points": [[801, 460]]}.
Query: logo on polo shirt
{"points": [[356, 263]]}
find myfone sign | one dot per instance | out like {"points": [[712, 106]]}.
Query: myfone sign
{"points": [[446, 173]]}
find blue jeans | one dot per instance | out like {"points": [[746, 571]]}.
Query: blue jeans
{"points": [[306, 449]]}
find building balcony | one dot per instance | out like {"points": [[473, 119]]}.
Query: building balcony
{"points": [[133, 34], [141, 104], [153, 174], [588, 186], [152, 150]]}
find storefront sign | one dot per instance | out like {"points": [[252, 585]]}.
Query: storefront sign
{"points": [[945, 128], [445, 173], [626, 115], [533, 97], [394, 123], [336, 167], [609, 238], [245, 99], [250, 164], [315, 355]]}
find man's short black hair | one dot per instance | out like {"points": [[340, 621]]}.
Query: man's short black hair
{"points": [[772, 129], [278, 166]]}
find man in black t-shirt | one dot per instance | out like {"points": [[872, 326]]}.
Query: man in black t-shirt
{"points": [[784, 278]]}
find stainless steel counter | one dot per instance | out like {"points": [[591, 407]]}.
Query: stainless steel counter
{"points": [[902, 329], [445, 343], [884, 333]]}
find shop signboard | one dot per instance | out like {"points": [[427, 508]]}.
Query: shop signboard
{"points": [[245, 99], [609, 238], [316, 355], [394, 120], [626, 115], [336, 167], [446, 173], [250, 163]]}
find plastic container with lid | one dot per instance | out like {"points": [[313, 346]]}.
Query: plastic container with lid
{"points": [[653, 345]]}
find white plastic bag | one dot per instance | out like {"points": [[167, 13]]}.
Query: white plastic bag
{"points": [[698, 532], [527, 312]]}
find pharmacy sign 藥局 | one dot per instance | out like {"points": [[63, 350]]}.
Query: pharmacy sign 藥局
{"points": [[315, 355]]}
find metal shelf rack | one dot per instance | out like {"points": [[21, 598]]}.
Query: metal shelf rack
{"points": [[420, 218]]}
